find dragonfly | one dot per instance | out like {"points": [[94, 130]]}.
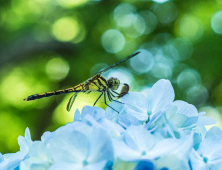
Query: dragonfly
{"points": [[107, 88]]}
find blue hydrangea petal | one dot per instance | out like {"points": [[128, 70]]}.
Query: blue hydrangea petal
{"points": [[145, 165], [185, 108], [139, 138], [72, 166], [12, 160], [1, 157], [100, 150], [28, 136], [24, 142], [215, 130], [191, 121], [160, 148], [160, 96], [124, 152], [77, 115], [137, 112], [46, 136], [126, 120], [91, 121], [135, 99], [186, 144], [38, 150], [197, 138], [204, 120], [24, 146], [66, 166], [69, 146], [197, 161], [211, 148], [118, 106], [179, 120], [96, 112]]}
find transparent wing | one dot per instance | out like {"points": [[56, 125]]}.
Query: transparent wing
{"points": [[71, 101], [106, 69]]}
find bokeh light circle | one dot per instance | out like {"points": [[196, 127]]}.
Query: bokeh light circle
{"points": [[161, 70], [57, 68], [191, 27], [113, 41], [143, 62], [188, 78], [124, 15], [216, 22], [65, 29], [197, 95]]}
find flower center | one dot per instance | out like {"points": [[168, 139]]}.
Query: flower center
{"points": [[85, 162], [143, 153], [205, 159], [149, 112]]}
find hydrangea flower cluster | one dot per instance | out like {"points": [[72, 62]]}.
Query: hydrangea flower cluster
{"points": [[152, 133]]}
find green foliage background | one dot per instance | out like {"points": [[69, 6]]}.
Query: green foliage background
{"points": [[46, 45]]}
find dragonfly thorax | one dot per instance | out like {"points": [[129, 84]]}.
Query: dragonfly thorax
{"points": [[113, 83]]}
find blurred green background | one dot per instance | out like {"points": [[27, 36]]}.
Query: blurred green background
{"points": [[47, 45]]}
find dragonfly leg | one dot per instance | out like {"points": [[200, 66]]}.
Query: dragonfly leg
{"points": [[110, 100], [110, 95], [98, 99]]}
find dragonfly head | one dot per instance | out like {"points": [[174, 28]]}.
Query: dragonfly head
{"points": [[113, 83]]}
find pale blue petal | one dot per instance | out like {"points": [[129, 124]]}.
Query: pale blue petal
{"points": [[126, 120], [160, 148], [124, 152], [66, 166], [191, 121], [38, 150], [96, 112], [28, 135], [109, 125], [1, 157], [137, 112], [211, 147], [183, 150], [197, 138], [69, 146], [160, 96], [118, 106], [46, 136], [185, 108], [156, 117], [215, 130], [197, 161], [204, 120], [100, 147], [77, 115], [96, 166], [23, 144], [138, 138], [13, 161], [135, 99], [91, 121], [179, 120]]}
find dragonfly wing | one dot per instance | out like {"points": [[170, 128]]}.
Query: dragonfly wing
{"points": [[71, 101], [106, 69]]}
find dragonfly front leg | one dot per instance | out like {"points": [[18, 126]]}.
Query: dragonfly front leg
{"points": [[110, 100], [98, 98]]}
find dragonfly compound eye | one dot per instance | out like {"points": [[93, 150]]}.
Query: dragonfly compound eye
{"points": [[113, 83]]}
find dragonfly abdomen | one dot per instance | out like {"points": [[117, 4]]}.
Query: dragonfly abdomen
{"points": [[47, 94]]}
